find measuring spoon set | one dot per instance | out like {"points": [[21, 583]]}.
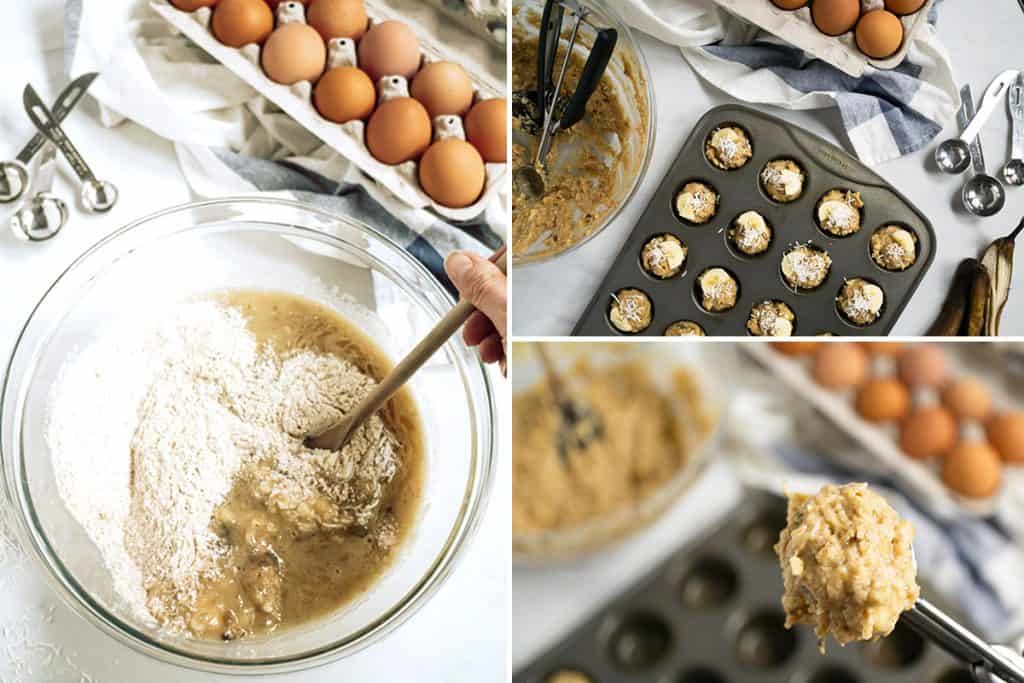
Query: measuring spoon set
{"points": [[983, 195], [42, 215]]}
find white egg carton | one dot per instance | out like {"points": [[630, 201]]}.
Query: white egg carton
{"points": [[920, 480], [797, 28], [348, 138]]}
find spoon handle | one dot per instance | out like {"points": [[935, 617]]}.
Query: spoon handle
{"points": [[64, 104], [967, 111], [49, 126], [1016, 102], [336, 437], [990, 102]]}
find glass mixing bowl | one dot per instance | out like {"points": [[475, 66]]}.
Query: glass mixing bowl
{"points": [[630, 78], [269, 245]]}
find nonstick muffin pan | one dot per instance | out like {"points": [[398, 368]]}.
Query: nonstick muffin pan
{"points": [[825, 167], [712, 613]]}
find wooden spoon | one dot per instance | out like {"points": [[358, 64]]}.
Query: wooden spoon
{"points": [[337, 436]]}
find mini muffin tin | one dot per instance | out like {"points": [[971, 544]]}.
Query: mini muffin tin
{"points": [[712, 613], [347, 139], [826, 167]]}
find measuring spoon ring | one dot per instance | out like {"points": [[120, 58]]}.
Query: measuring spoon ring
{"points": [[954, 156], [97, 195], [14, 174]]}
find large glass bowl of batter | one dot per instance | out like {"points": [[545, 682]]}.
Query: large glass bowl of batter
{"points": [[629, 78], [253, 244]]}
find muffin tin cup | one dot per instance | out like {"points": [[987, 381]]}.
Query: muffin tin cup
{"points": [[760, 278], [797, 27], [347, 139], [684, 618]]}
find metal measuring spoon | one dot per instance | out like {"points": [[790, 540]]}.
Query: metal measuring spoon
{"points": [[45, 214], [1013, 171], [982, 195], [14, 175], [954, 156], [97, 195]]}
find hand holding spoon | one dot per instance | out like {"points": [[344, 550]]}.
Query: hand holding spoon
{"points": [[97, 196], [954, 156], [45, 214], [336, 437], [14, 176]]}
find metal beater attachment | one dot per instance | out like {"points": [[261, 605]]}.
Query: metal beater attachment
{"points": [[550, 110]]}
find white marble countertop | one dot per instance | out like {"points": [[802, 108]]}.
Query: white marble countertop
{"points": [[549, 298], [458, 636]]}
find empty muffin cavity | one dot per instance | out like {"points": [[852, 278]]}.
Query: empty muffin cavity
{"points": [[805, 267], [728, 147], [839, 212], [750, 234], [663, 256], [697, 202], [701, 675], [894, 248], [764, 642], [833, 675], [630, 310], [639, 642], [783, 180], [709, 582], [901, 649]]}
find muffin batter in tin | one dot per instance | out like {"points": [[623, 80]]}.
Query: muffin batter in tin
{"points": [[718, 290], [783, 180], [839, 212], [630, 311], [771, 319], [750, 233], [847, 564], [805, 267], [728, 148], [663, 256], [685, 328], [697, 202], [860, 301], [894, 248]]}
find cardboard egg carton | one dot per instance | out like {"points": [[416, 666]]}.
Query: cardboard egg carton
{"points": [[797, 28], [920, 480], [348, 138]]}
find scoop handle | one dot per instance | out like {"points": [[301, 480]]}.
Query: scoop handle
{"points": [[547, 49], [593, 72], [989, 103], [336, 437]]}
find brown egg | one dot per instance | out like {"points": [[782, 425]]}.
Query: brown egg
{"points": [[241, 22], [887, 348], [928, 432], [835, 17], [879, 34], [192, 5], [968, 398], [274, 3], [398, 131], [443, 88], [902, 7], [338, 18], [452, 173], [487, 129], [924, 365], [294, 52], [972, 469], [389, 48], [883, 399], [345, 94], [790, 4], [796, 348], [1006, 433], [840, 365]]}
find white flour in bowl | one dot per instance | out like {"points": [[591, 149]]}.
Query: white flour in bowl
{"points": [[149, 426]]}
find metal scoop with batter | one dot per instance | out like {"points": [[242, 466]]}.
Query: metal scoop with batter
{"points": [[546, 103]]}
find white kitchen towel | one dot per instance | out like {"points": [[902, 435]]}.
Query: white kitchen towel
{"points": [[779, 443], [886, 113], [230, 140]]}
